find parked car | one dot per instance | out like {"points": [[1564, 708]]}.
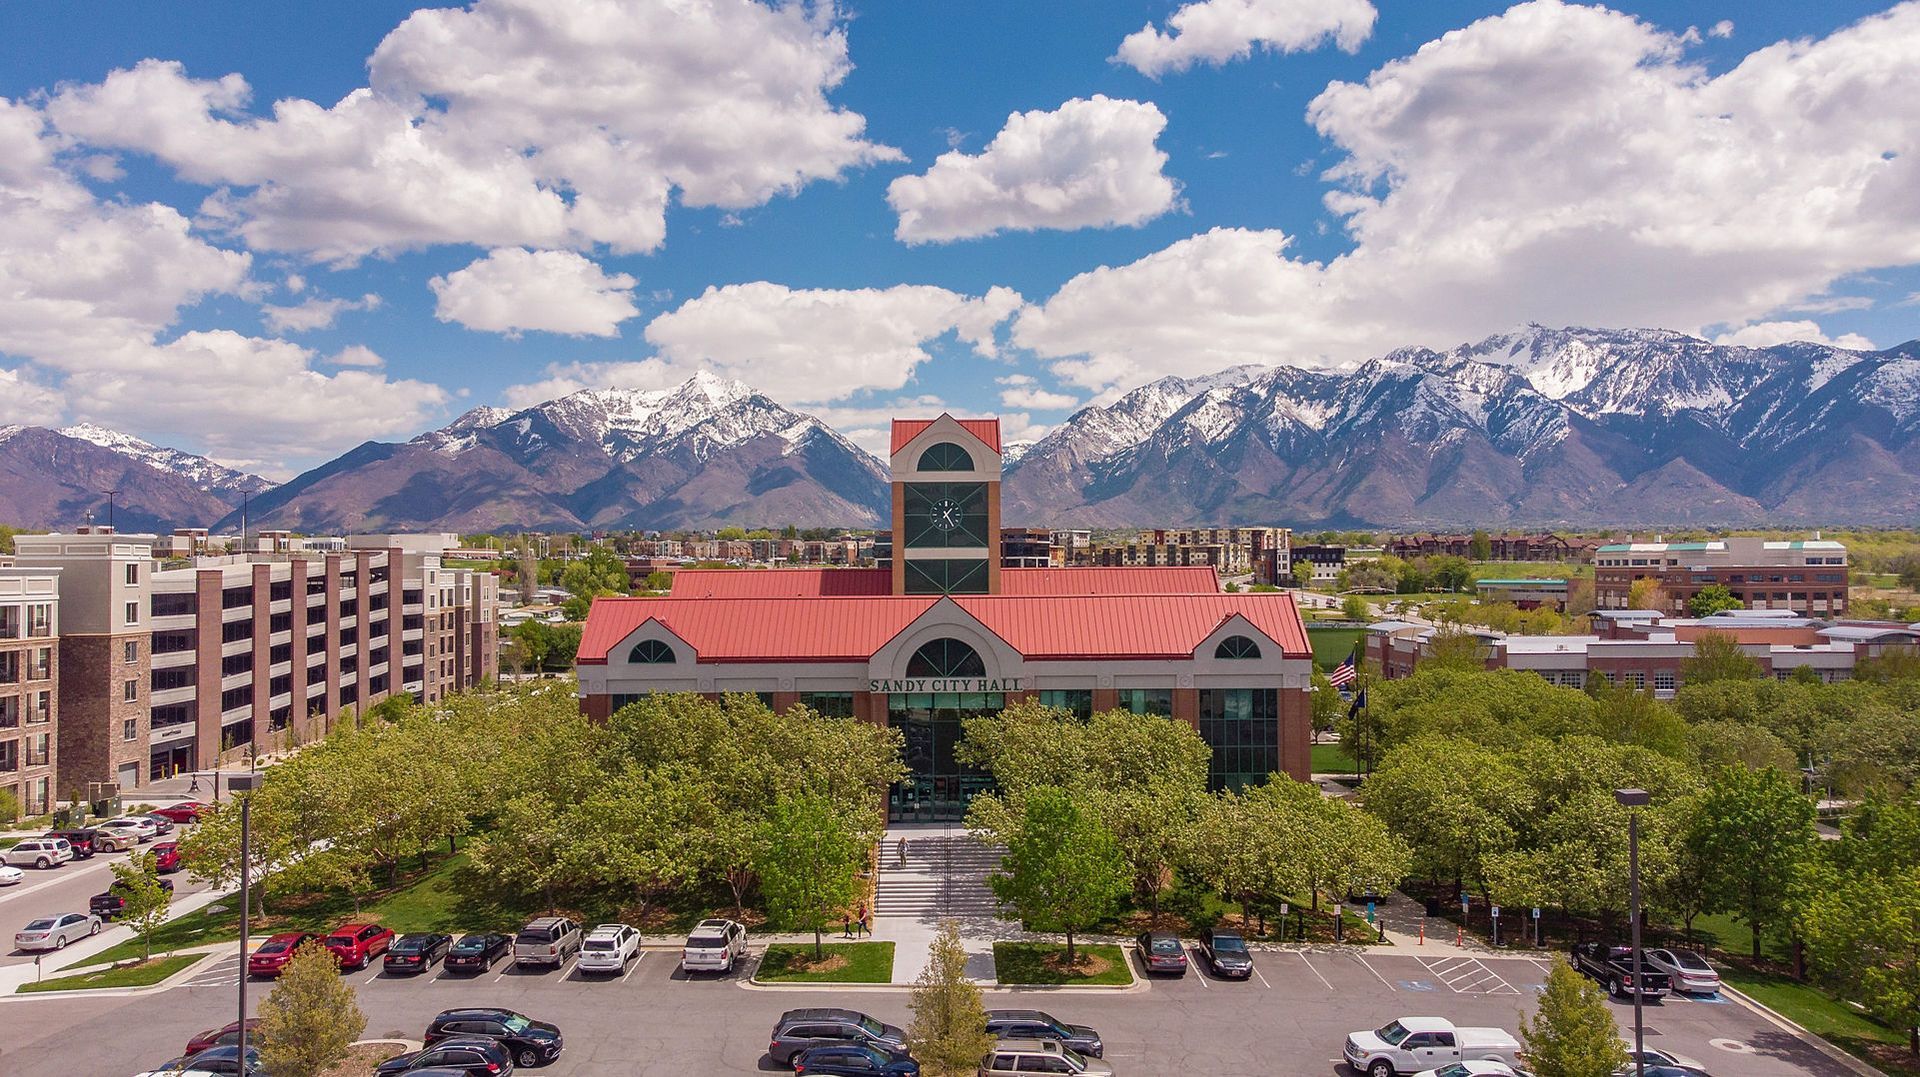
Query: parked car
{"points": [[218, 1037], [844, 1059], [473, 1056], [39, 852], [546, 941], [80, 841], [1041, 1025], [1227, 953], [1613, 966], [416, 951], [530, 1042], [1011, 1058], [476, 952], [223, 1060], [140, 827], [798, 1030], [107, 840], [1162, 952], [609, 948], [166, 857], [1686, 970], [1412, 1044], [54, 932], [1471, 1069], [185, 812], [273, 954], [161, 824], [355, 945], [10, 875], [110, 902], [714, 946], [1657, 1057]]}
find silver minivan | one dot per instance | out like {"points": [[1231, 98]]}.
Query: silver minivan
{"points": [[1016, 1058], [40, 852]]}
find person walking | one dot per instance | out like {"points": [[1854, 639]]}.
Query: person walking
{"points": [[903, 852], [864, 918]]}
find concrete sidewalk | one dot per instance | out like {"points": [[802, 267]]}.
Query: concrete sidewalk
{"points": [[56, 962]]}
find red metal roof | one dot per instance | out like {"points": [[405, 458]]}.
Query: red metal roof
{"points": [[850, 582], [905, 430], [792, 629]]}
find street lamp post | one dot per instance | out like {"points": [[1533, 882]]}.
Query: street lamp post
{"points": [[242, 786], [1630, 799]]}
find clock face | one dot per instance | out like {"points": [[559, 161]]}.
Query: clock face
{"points": [[945, 514]]}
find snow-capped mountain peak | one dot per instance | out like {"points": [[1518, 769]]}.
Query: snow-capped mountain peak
{"points": [[204, 474]]}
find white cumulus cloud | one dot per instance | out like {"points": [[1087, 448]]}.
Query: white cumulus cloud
{"points": [[1556, 163], [26, 402], [1091, 163], [537, 123], [314, 313], [1767, 334], [513, 289], [1216, 31], [357, 355]]}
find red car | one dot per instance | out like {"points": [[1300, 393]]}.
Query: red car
{"points": [[357, 944], [166, 857], [226, 1034], [184, 812], [273, 954]]}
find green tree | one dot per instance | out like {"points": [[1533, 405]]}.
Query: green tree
{"points": [[310, 1018], [1355, 608], [1450, 573], [659, 581], [808, 857], [1480, 547], [1863, 935], [145, 900], [1455, 803], [1328, 707], [600, 572], [535, 640], [948, 1033], [1711, 600], [1723, 744], [1646, 593], [1302, 572], [1063, 870], [1751, 835], [9, 807], [1457, 650], [1718, 657], [1572, 1034]]}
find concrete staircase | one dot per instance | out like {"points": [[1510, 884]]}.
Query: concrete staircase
{"points": [[945, 876]]}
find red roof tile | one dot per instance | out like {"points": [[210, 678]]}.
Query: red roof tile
{"points": [[1128, 580], [847, 582], [905, 430], [788, 629]]}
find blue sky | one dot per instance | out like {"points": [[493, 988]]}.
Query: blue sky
{"points": [[1741, 171]]}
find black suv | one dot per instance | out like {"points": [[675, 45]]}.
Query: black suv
{"points": [[530, 1042], [798, 1030], [81, 840], [1040, 1025], [475, 1056]]}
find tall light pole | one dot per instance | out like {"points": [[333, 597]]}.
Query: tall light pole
{"points": [[242, 786], [1629, 799]]}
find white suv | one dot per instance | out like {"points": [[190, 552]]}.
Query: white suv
{"points": [[142, 830], [714, 946], [40, 852], [608, 949]]}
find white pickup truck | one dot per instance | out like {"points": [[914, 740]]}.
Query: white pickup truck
{"points": [[1412, 1044]]}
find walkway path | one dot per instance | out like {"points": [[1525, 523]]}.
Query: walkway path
{"points": [[944, 878]]}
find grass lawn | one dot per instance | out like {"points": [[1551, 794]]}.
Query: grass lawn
{"points": [[1039, 963], [1332, 759], [1331, 646], [845, 963], [145, 975], [1820, 1014]]}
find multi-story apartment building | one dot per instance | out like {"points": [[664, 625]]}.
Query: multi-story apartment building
{"points": [[1501, 546], [196, 660], [1026, 547], [1807, 577], [29, 674], [1229, 551]]}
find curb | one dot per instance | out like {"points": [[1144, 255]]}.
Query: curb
{"points": [[206, 961], [1787, 1024]]}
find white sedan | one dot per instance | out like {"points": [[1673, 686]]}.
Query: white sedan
{"points": [[9, 875], [1688, 970], [142, 829], [1471, 1069]]}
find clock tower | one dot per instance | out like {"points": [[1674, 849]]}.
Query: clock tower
{"points": [[946, 506]]}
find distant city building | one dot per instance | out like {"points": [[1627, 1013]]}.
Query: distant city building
{"points": [[1645, 650], [1026, 547], [1505, 546], [1229, 551], [1807, 577], [1327, 561], [1528, 593], [29, 682]]}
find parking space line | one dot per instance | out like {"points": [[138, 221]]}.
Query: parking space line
{"points": [[503, 973], [1376, 972], [1263, 978], [1317, 972], [637, 958], [370, 979], [1199, 969], [1468, 976]]}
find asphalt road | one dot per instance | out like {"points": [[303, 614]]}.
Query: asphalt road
{"points": [[1291, 1019], [66, 889]]}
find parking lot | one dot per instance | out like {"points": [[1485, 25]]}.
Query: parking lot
{"points": [[66, 889], [1289, 1019]]}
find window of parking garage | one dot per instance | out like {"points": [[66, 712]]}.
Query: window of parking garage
{"points": [[1242, 726], [1147, 701], [1078, 703]]}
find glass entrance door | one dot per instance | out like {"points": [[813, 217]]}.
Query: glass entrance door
{"points": [[937, 788]]}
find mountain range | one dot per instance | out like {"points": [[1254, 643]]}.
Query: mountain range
{"points": [[1549, 427]]}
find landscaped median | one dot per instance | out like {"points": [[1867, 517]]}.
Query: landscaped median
{"points": [[1043, 964], [139, 974], [837, 963]]}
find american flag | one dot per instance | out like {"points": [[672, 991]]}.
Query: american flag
{"points": [[1343, 674]]}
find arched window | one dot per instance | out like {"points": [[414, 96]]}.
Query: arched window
{"points": [[1237, 647], [945, 658], [650, 652], [946, 456]]}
